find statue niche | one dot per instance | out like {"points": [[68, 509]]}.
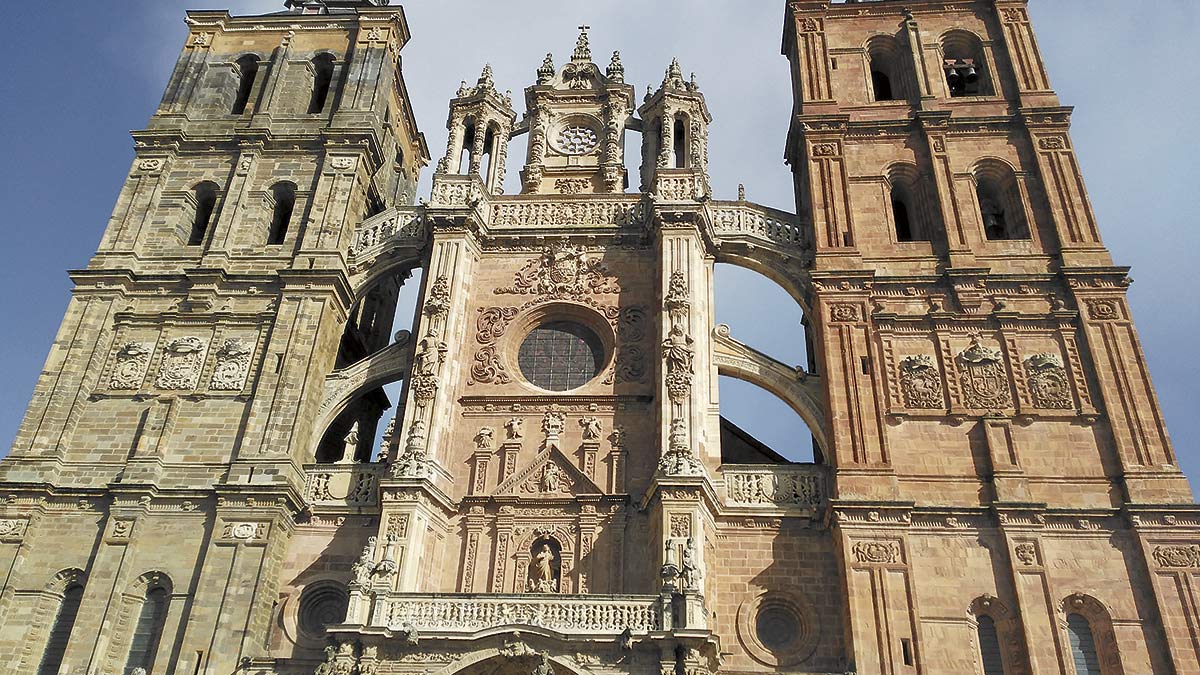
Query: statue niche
{"points": [[545, 566]]}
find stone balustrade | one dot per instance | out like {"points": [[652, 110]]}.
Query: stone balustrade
{"points": [[750, 221], [572, 614], [784, 486], [342, 485]]}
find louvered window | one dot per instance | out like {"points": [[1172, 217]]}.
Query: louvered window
{"points": [[1083, 646], [144, 645], [56, 646], [989, 647]]}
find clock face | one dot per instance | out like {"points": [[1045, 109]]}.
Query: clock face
{"points": [[577, 140]]}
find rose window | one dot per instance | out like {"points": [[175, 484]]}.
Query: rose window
{"points": [[577, 140], [560, 356]]}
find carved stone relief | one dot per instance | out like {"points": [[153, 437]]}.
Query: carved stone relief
{"points": [[491, 324], [921, 382], [876, 552], [232, 365], [130, 364], [1048, 383], [562, 271], [983, 378], [181, 362], [1177, 556]]}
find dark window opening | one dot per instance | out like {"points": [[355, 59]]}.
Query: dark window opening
{"points": [[320, 607], [904, 229], [60, 633], [989, 647], [906, 651], [468, 145], [285, 202], [146, 634], [995, 223], [322, 80], [489, 139], [247, 72], [206, 202], [882, 85], [680, 144]]}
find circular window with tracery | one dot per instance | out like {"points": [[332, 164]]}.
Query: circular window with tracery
{"points": [[577, 140], [778, 628], [561, 355]]}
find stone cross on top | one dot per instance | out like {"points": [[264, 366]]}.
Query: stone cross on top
{"points": [[583, 52]]}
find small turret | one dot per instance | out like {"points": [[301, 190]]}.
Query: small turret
{"points": [[675, 137], [480, 124]]}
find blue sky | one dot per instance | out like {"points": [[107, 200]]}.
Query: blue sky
{"points": [[81, 75]]}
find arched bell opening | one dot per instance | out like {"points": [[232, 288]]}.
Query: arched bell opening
{"points": [[771, 403]]}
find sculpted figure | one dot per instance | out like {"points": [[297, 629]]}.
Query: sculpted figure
{"points": [[541, 571]]}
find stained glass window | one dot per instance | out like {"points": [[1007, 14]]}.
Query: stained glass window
{"points": [[561, 355]]}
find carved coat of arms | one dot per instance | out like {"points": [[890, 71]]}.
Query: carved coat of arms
{"points": [[563, 271], [983, 377]]}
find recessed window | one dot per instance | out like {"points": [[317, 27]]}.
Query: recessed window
{"points": [[777, 627], [561, 355], [320, 607]]}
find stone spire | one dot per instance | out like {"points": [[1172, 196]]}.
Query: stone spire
{"points": [[616, 71], [545, 72], [486, 81], [674, 77], [583, 52]]}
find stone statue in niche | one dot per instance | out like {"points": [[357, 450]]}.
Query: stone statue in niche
{"points": [[552, 478], [544, 569], [689, 571]]}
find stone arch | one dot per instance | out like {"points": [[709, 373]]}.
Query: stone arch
{"points": [[129, 605], [998, 184], [802, 393], [960, 44], [885, 57], [782, 272], [522, 554], [45, 611], [906, 184], [1008, 631], [1099, 618]]}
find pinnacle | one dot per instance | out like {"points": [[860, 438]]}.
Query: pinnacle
{"points": [[616, 70], [485, 78], [545, 72], [583, 51]]}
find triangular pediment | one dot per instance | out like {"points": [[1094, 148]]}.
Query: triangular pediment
{"points": [[551, 474]]}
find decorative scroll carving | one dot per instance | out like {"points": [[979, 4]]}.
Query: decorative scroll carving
{"points": [[1177, 556], [233, 363], [921, 382], [983, 377], [681, 525], [876, 552], [130, 364], [1048, 384], [13, 528], [778, 488], [608, 213], [562, 271], [844, 312], [490, 325], [1103, 310], [181, 362], [566, 614], [550, 480]]}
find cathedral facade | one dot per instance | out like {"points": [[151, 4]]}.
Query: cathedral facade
{"points": [[197, 488]]}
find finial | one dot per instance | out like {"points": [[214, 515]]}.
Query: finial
{"points": [[674, 78], [741, 192], [545, 72], [616, 71], [485, 78], [649, 92], [462, 89], [583, 52]]}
